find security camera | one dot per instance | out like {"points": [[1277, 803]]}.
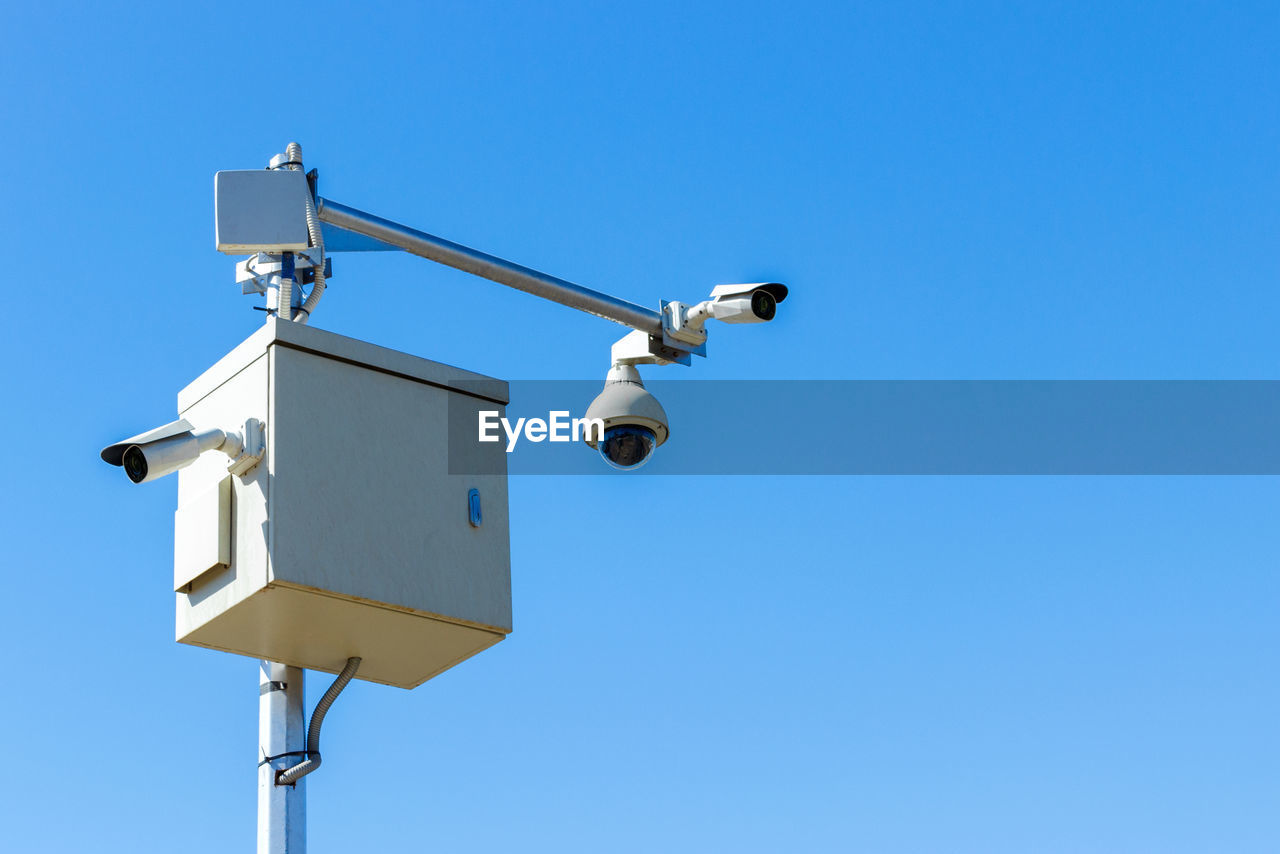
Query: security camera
{"points": [[754, 303], [156, 453], [746, 303], [634, 422]]}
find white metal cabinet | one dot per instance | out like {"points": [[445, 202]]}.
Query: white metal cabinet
{"points": [[351, 537]]}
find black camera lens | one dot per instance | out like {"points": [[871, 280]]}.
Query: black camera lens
{"points": [[135, 463], [763, 305], [627, 447]]}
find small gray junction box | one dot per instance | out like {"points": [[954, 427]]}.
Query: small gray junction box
{"points": [[351, 537]]}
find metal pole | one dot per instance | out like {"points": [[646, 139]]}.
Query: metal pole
{"points": [[282, 810], [491, 267]]}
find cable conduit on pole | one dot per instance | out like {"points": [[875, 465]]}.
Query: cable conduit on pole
{"points": [[289, 776]]}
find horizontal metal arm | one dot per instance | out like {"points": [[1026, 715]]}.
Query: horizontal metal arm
{"points": [[491, 267]]}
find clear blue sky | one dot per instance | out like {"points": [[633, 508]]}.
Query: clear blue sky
{"points": [[877, 664]]}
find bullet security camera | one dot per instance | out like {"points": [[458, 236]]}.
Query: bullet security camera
{"points": [[752, 303], [756, 303], [156, 453], [634, 422]]}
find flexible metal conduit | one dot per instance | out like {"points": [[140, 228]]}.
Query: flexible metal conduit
{"points": [[284, 294], [491, 267], [289, 776], [294, 153]]}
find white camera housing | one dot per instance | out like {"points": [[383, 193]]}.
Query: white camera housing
{"points": [[754, 303], [685, 325], [634, 422], [152, 455]]}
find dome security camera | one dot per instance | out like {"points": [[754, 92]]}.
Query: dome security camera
{"points": [[634, 422]]}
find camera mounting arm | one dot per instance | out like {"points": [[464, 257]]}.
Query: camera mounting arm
{"points": [[490, 267], [261, 211], [671, 335]]}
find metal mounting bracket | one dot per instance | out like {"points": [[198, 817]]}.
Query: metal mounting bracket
{"points": [[255, 447], [259, 273]]}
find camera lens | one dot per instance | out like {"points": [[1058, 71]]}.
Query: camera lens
{"points": [[763, 305], [627, 447], [135, 463]]}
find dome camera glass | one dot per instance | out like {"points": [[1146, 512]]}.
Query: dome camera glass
{"points": [[627, 447], [763, 305], [135, 463]]}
